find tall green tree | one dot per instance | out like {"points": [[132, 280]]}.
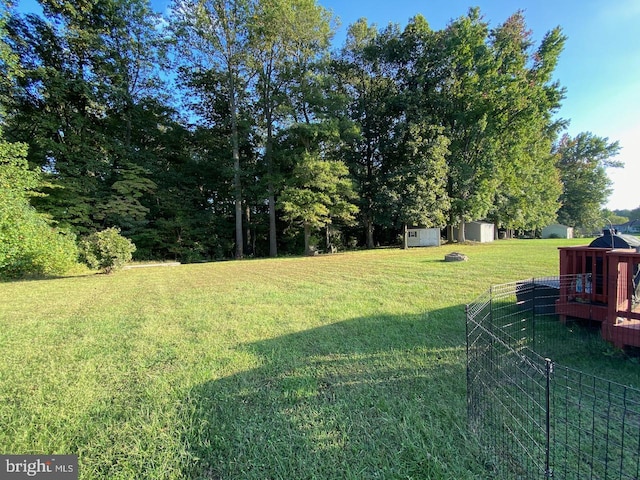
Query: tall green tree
{"points": [[582, 161], [416, 185], [136, 48], [318, 193], [57, 111], [418, 168], [465, 111], [86, 65], [211, 149], [190, 211], [214, 35], [368, 81], [496, 103], [29, 245], [318, 138], [286, 36], [527, 99]]}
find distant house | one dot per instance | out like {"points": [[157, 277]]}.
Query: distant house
{"points": [[557, 231], [423, 237], [630, 227]]}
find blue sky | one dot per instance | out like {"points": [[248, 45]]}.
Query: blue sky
{"points": [[600, 66]]}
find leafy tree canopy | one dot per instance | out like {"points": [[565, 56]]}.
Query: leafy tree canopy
{"points": [[582, 162], [319, 193]]}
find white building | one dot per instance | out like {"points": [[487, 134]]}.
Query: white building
{"points": [[479, 232], [423, 237], [557, 231]]}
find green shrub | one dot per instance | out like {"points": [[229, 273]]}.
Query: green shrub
{"points": [[106, 250], [30, 246]]}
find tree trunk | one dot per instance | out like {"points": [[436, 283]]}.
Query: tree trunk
{"points": [[328, 238], [405, 237], [273, 244], [369, 197], [307, 238], [461, 237], [268, 115], [249, 245], [236, 165], [369, 227], [238, 205]]}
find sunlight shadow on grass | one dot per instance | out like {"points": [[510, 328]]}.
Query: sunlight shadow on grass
{"points": [[365, 398]]}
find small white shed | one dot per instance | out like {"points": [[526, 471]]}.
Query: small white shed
{"points": [[423, 237], [557, 231], [479, 232]]}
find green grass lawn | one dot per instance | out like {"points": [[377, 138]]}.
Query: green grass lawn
{"points": [[343, 366]]}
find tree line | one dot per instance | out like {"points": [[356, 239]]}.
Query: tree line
{"points": [[230, 128]]}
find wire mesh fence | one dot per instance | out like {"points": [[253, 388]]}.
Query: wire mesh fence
{"points": [[549, 398]]}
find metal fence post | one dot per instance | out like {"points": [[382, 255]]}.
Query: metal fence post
{"points": [[466, 316], [533, 315], [548, 471]]}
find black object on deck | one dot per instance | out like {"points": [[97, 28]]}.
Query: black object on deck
{"points": [[613, 239]]}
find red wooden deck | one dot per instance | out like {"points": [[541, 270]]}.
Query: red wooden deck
{"points": [[623, 318], [602, 285]]}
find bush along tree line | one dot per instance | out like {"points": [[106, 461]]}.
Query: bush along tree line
{"points": [[230, 129]]}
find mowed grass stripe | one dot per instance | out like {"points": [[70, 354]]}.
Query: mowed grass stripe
{"points": [[341, 366]]}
